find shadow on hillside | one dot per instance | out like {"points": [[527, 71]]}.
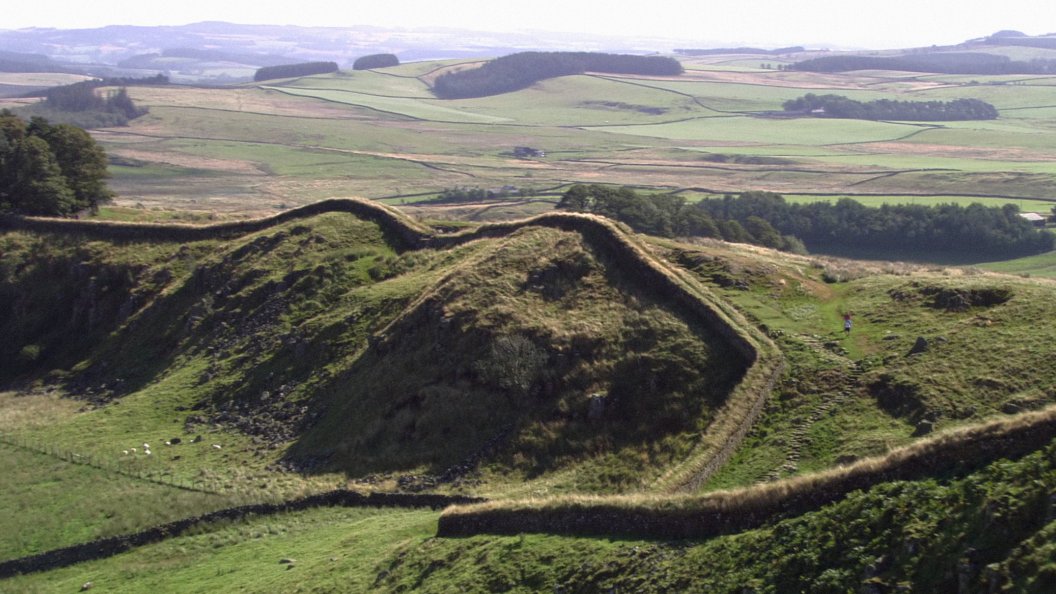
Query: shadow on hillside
{"points": [[421, 406]]}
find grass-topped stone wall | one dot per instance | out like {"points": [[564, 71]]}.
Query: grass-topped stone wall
{"points": [[732, 511]]}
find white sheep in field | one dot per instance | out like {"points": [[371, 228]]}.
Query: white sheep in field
{"points": [[124, 452], [216, 445], [146, 446], [133, 450], [147, 452]]}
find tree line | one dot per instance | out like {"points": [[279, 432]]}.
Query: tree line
{"points": [[19, 62], [667, 215], [375, 61], [49, 169], [476, 194], [82, 97], [521, 70], [941, 63], [838, 106], [767, 219], [293, 70]]}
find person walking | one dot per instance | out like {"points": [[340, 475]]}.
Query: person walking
{"points": [[847, 323]]}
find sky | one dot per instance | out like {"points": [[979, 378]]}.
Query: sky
{"points": [[875, 24]]}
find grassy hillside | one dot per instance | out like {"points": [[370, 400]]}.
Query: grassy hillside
{"points": [[527, 359], [990, 530], [326, 345], [558, 356], [849, 396]]}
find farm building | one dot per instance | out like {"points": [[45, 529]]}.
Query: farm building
{"points": [[1037, 219]]}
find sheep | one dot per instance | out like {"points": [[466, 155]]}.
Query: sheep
{"points": [[124, 452], [146, 446], [216, 445], [147, 452], [133, 450]]}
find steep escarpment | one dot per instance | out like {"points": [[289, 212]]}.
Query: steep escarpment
{"points": [[364, 345]]}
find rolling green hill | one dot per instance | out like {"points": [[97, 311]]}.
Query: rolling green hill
{"points": [[643, 414], [557, 355]]}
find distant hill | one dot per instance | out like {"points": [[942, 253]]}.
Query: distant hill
{"points": [[20, 62], [719, 51], [164, 59], [191, 53], [939, 62]]}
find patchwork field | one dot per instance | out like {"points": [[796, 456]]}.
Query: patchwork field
{"points": [[259, 148]]}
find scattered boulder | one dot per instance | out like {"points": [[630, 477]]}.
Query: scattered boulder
{"points": [[921, 346], [960, 299], [924, 427]]}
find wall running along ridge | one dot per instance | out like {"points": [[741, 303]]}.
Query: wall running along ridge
{"points": [[762, 359]]}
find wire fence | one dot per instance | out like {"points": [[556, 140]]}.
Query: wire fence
{"points": [[138, 465]]}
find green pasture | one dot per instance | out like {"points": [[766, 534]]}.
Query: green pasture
{"points": [[51, 502], [1046, 114], [363, 81], [769, 150], [754, 130], [1024, 205], [974, 80], [303, 161], [1042, 265], [1002, 96], [583, 101], [740, 97], [907, 161], [420, 69], [413, 108], [325, 549], [207, 125], [996, 135]]}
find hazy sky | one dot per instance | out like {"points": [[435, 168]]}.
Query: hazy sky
{"points": [[859, 23]]}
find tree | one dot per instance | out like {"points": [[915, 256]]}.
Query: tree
{"points": [[82, 161], [38, 187], [49, 170]]}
